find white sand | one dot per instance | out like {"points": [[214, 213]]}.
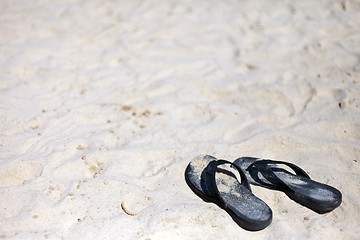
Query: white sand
{"points": [[104, 103]]}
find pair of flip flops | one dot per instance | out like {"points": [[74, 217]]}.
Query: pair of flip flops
{"points": [[215, 181]]}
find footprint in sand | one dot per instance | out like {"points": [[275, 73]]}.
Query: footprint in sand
{"points": [[17, 173], [339, 94], [135, 202]]}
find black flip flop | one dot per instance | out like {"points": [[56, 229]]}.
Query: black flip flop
{"points": [[217, 184], [319, 197]]}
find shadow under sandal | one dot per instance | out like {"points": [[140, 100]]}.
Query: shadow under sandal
{"points": [[210, 180], [319, 197]]}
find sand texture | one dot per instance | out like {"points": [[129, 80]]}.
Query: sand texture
{"points": [[104, 103]]}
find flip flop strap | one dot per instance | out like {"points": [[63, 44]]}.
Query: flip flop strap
{"points": [[267, 172], [211, 181]]}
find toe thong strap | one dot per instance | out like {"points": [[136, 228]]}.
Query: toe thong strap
{"points": [[265, 169], [210, 171]]}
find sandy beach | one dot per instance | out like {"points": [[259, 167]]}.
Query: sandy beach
{"points": [[104, 103]]}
